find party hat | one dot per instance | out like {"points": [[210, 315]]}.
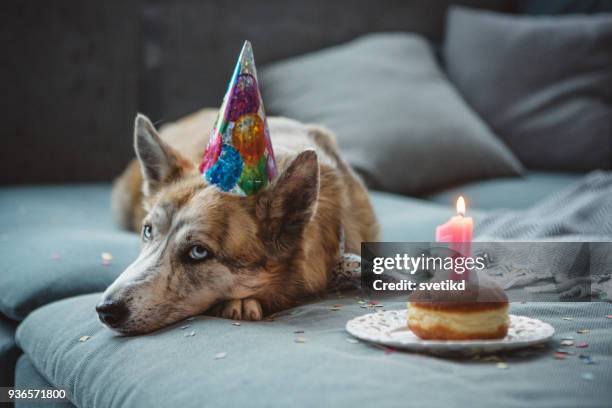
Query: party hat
{"points": [[239, 157]]}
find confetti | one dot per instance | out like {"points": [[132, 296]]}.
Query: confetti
{"points": [[567, 318], [586, 359], [501, 365], [567, 342], [352, 341], [389, 350], [107, 257], [220, 356], [300, 340], [582, 345], [190, 334], [582, 331], [560, 356], [587, 376], [298, 331], [83, 339], [185, 327]]}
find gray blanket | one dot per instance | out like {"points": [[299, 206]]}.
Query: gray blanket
{"points": [[580, 213], [578, 219]]}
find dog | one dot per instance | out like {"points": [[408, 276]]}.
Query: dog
{"points": [[232, 256]]}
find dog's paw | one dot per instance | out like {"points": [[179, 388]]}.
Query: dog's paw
{"points": [[240, 309], [251, 309], [232, 309]]}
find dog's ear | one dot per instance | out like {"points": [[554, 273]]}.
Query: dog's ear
{"points": [[289, 203], [159, 163]]}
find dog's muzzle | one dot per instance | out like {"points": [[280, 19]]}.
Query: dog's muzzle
{"points": [[112, 314]]}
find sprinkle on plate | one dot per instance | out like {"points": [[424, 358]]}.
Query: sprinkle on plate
{"points": [[567, 342], [298, 331], [190, 334], [567, 318], [501, 365], [582, 345], [300, 340], [221, 355], [83, 339], [582, 331], [352, 341], [235, 323], [560, 356]]}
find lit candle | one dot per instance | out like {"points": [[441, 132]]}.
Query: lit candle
{"points": [[457, 231]]}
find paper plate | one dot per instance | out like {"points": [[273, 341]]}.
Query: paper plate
{"points": [[389, 328]]}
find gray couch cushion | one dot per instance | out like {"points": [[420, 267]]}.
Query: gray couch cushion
{"points": [[52, 241], [542, 83], [398, 120], [512, 193], [264, 366], [27, 377], [8, 351], [410, 219]]}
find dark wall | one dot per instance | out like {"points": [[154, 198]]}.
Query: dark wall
{"points": [[78, 71]]}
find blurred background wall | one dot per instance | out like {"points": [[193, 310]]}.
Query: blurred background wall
{"points": [[76, 72]]}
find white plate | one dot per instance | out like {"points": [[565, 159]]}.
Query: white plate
{"points": [[389, 329]]}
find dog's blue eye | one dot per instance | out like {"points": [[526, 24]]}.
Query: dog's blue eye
{"points": [[147, 232], [198, 253]]}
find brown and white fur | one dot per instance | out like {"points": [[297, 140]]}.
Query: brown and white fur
{"points": [[255, 255]]}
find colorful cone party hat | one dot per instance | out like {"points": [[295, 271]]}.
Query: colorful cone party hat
{"points": [[239, 157]]}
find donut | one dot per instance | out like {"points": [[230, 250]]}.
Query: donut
{"points": [[478, 312]]}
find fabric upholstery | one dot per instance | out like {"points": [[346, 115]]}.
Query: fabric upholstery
{"points": [[542, 83], [8, 351], [53, 238], [398, 120], [27, 377], [511, 193], [264, 365]]}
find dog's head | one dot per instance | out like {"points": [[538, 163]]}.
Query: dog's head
{"points": [[201, 246]]}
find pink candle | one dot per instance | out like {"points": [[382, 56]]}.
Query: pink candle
{"points": [[457, 231]]}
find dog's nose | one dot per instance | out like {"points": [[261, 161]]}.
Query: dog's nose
{"points": [[112, 313]]}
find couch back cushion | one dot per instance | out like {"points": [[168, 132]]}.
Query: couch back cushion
{"points": [[398, 120], [543, 84]]}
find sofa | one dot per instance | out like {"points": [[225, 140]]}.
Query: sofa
{"points": [[60, 246], [262, 358]]}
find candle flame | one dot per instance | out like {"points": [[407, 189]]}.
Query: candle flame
{"points": [[461, 206]]}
